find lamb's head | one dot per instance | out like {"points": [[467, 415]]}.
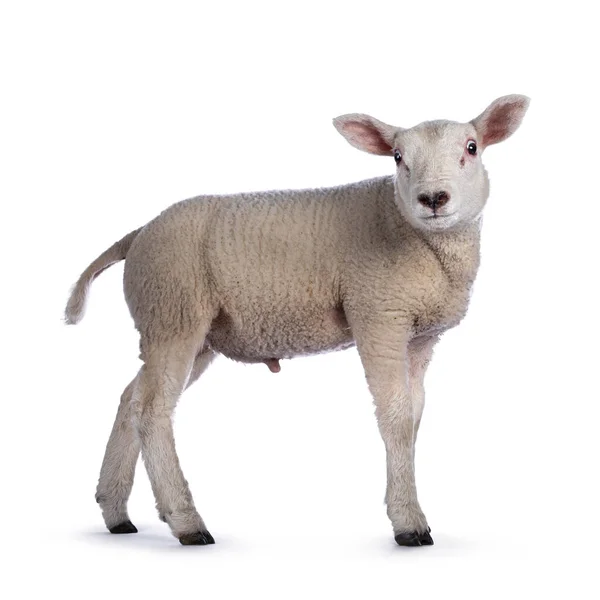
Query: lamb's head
{"points": [[440, 180]]}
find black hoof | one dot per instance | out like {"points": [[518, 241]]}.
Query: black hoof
{"points": [[124, 527], [414, 539], [198, 538], [426, 539]]}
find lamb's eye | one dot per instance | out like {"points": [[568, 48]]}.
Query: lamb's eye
{"points": [[397, 156], [471, 147]]}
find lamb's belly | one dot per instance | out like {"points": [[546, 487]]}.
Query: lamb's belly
{"points": [[278, 335]]}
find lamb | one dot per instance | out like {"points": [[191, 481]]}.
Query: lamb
{"points": [[385, 264]]}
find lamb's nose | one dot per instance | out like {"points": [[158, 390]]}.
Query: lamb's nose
{"points": [[434, 200]]}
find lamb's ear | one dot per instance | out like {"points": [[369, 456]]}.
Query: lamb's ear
{"points": [[366, 133], [500, 119]]}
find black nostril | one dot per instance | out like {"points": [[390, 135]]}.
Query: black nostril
{"points": [[426, 200], [441, 198], [435, 200]]}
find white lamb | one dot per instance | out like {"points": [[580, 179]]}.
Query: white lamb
{"points": [[385, 264]]}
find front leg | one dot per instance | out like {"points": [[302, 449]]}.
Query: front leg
{"points": [[420, 350], [383, 346]]}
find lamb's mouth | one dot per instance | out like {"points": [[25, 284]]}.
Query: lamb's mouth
{"points": [[438, 216]]}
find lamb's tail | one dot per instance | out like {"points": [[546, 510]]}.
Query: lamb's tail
{"points": [[76, 304]]}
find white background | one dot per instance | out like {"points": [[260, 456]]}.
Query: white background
{"points": [[111, 111]]}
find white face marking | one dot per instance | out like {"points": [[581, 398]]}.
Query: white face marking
{"points": [[439, 183]]}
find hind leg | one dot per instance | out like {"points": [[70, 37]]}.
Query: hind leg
{"points": [[163, 377], [202, 362], [120, 458], [118, 468]]}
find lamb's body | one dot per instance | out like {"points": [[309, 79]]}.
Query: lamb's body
{"points": [[277, 272], [386, 264]]}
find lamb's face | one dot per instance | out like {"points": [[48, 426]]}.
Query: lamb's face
{"points": [[440, 179]]}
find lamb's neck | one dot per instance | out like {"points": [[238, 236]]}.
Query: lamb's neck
{"points": [[457, 251]]}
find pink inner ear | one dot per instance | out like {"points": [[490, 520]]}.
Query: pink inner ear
{"points": [[368, 136], [500, 123]]}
